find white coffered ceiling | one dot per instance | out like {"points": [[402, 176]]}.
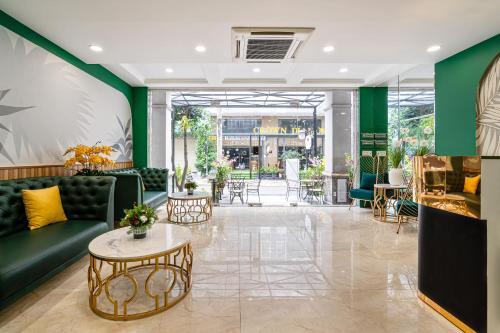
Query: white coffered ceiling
{"points": [[374, 40]]}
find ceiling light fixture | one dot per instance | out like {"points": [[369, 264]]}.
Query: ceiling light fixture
{"points": [[256, 70], [95, 48], [343, 70], [169, 70], [433, 48], [328, 48], [200, 48]]}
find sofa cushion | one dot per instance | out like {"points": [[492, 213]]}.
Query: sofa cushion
{"points": [[154, 198], [28, 255], [368, 180], [362, 194], [43, 207]]}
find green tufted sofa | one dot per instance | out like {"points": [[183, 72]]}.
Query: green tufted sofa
{"points": [[139, 185], [30, 257]]}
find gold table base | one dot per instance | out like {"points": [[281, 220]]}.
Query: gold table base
{"points": [[178, 262], [189, 210]]}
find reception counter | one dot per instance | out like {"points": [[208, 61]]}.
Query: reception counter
{"points": [[452, 243]]}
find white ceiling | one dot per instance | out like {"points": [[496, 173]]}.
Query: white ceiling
{"points": [[375, 40]]}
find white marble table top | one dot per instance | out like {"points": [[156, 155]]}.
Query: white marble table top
{"points": [[185, 196], [389, 186], [118, 245]]}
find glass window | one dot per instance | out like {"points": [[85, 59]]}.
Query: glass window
{"points": [[240, 126], [297, 123], [411, 118]]}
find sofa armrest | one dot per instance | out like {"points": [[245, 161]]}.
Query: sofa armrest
{"points": [[88, 198], [128, 191]]}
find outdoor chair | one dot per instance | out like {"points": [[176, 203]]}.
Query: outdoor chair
{"points": [[236, 189], [292, 185], [317, 190], [253, 186]]}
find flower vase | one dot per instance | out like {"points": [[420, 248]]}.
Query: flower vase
{"points": [[190, 191], [139, 233], [396, 176]]}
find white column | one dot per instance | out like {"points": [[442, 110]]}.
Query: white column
{"points": [[220, 152], [328, 143], [157, 125], [168, 132]]}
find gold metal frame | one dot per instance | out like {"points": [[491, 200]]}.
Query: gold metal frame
{"points": [[178, 260], [454, 320], [185, 210]]}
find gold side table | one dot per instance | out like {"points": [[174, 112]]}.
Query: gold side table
{"points": [[381, 199], [135, 278], [183, 208]]}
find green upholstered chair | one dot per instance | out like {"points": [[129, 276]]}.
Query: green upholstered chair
{"points": [[405, 207], [365, 191]]}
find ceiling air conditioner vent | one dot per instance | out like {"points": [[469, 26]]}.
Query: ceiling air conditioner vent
{"points": [[273, 45]]}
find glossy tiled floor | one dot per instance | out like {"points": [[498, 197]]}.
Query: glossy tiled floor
{"points": [[294, 269]]}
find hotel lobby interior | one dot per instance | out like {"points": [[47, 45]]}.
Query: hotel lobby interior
{"points": [[265, 166]]}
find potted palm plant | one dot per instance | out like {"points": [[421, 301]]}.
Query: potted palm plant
{"points": [[396, 156]]}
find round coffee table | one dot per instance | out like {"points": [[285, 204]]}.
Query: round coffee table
{"points": [[118, 260], [183, 208]]}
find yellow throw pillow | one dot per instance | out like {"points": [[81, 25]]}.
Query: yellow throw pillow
{"points": [[43, 207], [471, 184]]}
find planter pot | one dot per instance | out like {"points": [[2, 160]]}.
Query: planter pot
{"points": [[190, 192], [396, 176], [139, 233]]}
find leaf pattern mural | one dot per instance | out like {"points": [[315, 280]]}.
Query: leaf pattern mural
{"points": [[4, 111], [124, 143], [488, 111], [47, 104]]}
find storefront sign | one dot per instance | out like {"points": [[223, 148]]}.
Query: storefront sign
{"points": [[281, 130]]}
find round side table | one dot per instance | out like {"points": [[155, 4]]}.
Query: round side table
{"points": [[183, 208], [381, 200], [135, 278]]}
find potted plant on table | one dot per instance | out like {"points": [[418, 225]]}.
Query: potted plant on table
{"points": [[139, 219], [396, 155], [190, 186]]}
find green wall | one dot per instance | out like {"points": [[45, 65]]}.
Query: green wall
{"points": [[136, 96], [140, 126], [372, 111], [456, 83]]}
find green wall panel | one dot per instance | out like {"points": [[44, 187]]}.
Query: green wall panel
{"points": [[140, 125], [456, 83], [373, 110], [137, 97]]}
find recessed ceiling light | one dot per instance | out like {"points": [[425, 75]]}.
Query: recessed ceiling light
{"points": [[343, 113], [433, 48], [95, 48], [343, 70], [200, 48], [328, 48], [169, 70], [256, 70]]}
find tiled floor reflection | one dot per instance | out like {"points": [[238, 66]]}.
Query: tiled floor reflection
{"points": [[293, 269]]}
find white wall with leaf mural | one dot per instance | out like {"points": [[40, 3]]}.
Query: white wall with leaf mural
{"points": [[47, 104]]}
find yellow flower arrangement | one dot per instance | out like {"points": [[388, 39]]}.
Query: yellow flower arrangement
{"points": [[90, 158]]}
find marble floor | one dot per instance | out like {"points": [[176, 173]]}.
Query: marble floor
{"points": [[261, 269]]}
